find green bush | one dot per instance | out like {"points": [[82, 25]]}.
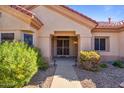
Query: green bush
{"points": [[89, 60], [18, 64], [118, 63], [42, 64], [89, 56], [103, 65]]}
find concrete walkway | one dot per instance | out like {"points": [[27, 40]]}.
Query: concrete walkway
{"points": [[65, 76]]}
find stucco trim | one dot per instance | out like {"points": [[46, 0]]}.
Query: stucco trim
{"points": [[13, 29], [68, 12], [106, 58], [64, 33], [81, 18], [72, 15], [31, 20], [30, 7], [114, 30]]}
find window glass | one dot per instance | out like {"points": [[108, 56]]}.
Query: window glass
{"points": [[102, 44], [7, 36], [28, 38], [96, 44]]}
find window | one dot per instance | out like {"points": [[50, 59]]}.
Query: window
{"points": [[7, 36], [101, 43], [28, 38]]}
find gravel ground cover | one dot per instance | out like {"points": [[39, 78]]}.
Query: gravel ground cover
{"points": [[110, 77], [42, 79]]}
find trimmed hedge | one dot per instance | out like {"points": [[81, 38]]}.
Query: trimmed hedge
{"points": [[18, 64], [89, 60]]}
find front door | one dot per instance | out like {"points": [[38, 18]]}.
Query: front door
{"points": [[63, 47]]}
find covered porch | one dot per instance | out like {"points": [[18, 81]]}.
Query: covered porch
{"points": [[64, 44]]}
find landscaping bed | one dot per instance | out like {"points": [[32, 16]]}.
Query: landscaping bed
{"points": [[42, 79], [109, 77]]}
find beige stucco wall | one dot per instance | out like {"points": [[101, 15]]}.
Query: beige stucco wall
{"points": [[54, 21], [114, 47], [121, 44], [73, 47], [11, 24]]}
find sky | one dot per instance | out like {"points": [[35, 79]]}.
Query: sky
{"points": [[101, 12]]}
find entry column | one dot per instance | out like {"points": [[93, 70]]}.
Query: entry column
{"points": [[85, 43]]}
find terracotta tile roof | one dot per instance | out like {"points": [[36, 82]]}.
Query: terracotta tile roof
{"points": [[110, 25], [99, 24], [23, 10], [70, 9], [103, 25], [29, 7], [78, 13], [27, 12]]}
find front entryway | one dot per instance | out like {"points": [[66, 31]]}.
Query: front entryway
{"points": [[64, 49], [65, 76], [64, 46]]}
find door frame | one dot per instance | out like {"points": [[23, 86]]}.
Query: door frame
{"points": [[63, 47]]}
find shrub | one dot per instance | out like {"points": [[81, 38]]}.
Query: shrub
{"points": [[42, 64], [90, 56], [103, 65], [18, 64], [118, 63], [89, 60]]}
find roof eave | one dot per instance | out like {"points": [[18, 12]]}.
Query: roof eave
{"points": [[29, 19]]}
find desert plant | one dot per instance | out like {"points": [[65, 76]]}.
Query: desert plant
{"points": [[118, 63], [103, 65], [18, 64], [89, 60]]}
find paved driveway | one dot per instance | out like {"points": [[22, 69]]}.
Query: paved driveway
{"points": [[65, 76]]}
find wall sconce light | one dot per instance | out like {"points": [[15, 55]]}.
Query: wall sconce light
{"points": [[75, 42]]}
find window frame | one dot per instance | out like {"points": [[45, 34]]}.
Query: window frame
{"points": [[107, 43], [27, 32], [6, 33]]}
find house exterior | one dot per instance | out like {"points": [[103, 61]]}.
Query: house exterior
{"points": [[59, 31]]}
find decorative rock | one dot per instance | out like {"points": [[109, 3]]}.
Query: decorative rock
{"points": [[122, 85], [31, 86], [88, 83]]}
